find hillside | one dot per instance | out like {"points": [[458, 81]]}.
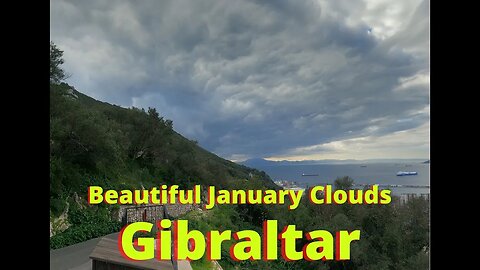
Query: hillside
{"points": [[96, 143], [93, 142]]}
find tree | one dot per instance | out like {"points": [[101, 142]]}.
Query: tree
{"points": [[57, 74], [344, 183], [152, 112]]}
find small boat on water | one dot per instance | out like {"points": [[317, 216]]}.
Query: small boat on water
{"points": [[306, 174], [406, 173]]}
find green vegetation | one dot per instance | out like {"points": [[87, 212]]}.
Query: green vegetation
{"points": [[57, 74], [86, 224], [96, 143], [393, 236]]}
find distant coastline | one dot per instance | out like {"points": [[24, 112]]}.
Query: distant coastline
{"points": [[253, 162]]}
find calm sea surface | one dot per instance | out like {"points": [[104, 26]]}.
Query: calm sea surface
{"points": [[384, 173]]}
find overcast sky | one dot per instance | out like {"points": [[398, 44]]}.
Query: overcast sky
{"points": [[338, 79]]}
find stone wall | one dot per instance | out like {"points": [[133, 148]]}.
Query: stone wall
{"points": [[148, 213], [175, 210], [152, 212]]}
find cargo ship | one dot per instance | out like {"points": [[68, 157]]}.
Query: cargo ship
{"points": [[406, 173]]}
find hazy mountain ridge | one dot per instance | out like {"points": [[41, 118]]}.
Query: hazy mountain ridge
{"points": [[264, 162]]}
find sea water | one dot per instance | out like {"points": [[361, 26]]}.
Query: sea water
{"points": [[381, 173]]}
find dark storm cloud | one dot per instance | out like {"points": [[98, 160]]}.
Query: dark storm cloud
{"points": [[254, 78]]}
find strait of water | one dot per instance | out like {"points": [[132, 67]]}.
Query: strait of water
{"points": [[381, 173]]}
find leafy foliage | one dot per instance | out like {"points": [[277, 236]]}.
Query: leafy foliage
{"points": [[393, 236], [96, 143], [57, 74], [86, 224]]}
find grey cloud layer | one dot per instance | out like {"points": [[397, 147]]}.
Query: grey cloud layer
{"points": [[254, 78]]}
